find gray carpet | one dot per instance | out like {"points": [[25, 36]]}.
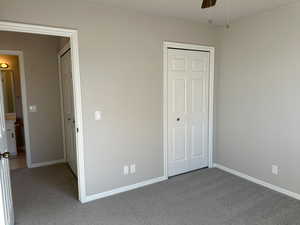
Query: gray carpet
{"points": [[46, 196]]}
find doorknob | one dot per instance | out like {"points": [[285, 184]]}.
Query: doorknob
{"points": [[4, 155], [178, 119]]}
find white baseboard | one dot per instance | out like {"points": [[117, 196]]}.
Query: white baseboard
{"points": [[260, 182], [48, 163], [123, 189]]}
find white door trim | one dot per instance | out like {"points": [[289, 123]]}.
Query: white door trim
{"points": [[24, 102], [211, 50], [73, 35], [60, 53]]}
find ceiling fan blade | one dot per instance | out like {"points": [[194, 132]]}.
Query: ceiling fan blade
{"points": [[208, 3]]}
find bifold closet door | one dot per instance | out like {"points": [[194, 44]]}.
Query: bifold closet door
{"points": [[188, 94], [68, 108]]}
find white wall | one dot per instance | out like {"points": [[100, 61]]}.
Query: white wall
{"points": [[42, 83], [121, 63], [258, 97]]}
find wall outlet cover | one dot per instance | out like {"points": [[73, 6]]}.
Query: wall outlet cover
{"points": [[126, 170], [132, 168]]}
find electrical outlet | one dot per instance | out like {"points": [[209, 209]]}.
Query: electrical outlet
{"points": [[132, 168], [275, 170], [126, 170]]}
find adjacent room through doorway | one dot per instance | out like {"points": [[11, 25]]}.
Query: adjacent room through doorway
{"points": [[14, 120], [37, 92]]}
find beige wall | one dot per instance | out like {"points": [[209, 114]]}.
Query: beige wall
{"points": [[258, 97], [121, 65], [257, 91], [41, 71]]}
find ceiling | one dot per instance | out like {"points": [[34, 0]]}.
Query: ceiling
{"points": [[225, 10]]}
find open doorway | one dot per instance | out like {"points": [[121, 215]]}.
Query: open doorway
{"points": [[39, 116], [14, 119], [38, 100], [51, 105], [44, 176]]}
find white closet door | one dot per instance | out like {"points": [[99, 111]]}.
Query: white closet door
{"points": [[188, 79], [68, 108], [6, 204]]}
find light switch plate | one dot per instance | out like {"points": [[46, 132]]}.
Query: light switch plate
{"points": [[32, 108], [275, 169], [98, 115]]}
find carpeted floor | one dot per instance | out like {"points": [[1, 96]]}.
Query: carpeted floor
{"points": [[46, 196]]}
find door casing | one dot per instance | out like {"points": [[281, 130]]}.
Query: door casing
{"points": [[183, 46]]}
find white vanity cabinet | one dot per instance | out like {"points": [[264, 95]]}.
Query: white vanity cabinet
{"points": [[11, 137]]}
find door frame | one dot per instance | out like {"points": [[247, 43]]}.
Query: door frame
{"points": [[73, 35], [20, 56], [196, 47]]}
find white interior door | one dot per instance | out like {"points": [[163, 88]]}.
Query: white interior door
{"points": [[188, 93], [6, 204], [68, 108]]}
